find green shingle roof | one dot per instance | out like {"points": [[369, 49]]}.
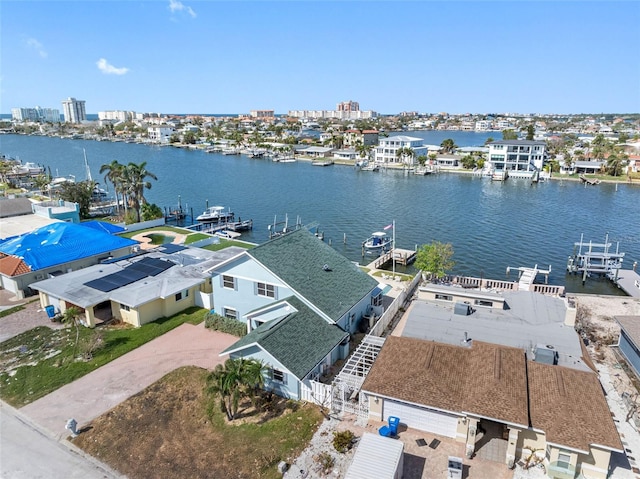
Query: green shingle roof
{"points": [[298, 259], [299, 341]]}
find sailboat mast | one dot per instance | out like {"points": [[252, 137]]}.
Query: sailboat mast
{"points": [[86, 166]]}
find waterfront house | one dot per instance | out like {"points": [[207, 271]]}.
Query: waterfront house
{"points": [[160, 134], [138, 289], [294, 273], [386, 151], [355, 137], [588, 167], [520, 158], [629, 341], [316, 151], [53, 250], [348, 154], [296, 343], [501, 405]]}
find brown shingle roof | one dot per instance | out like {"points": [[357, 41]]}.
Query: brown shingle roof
{"points": [[486, 379], [570, 407], [631, 325], [497, 383], [12, 266]]}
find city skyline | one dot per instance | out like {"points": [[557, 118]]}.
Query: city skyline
{"points": [[232, 57]]}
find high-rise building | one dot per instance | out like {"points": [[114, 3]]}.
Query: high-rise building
{"points": [[348, 106], [36, 114], [74, 111]]}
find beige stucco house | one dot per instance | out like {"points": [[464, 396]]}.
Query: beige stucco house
{"points": [[479, 393], [139, 289]]}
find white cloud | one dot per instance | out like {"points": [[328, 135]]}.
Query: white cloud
{"points": [[178, 6], [105, 67], [37, 46]]}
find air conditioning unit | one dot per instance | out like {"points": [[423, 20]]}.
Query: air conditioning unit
{"points": [[463, 309], [545, 354]]}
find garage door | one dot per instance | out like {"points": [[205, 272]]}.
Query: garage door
{"points": [[422, 418]]}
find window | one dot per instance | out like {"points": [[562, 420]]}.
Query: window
{"points": [[444, 297], [182, 294], [481, 302], [267, 290], [228, 282], [230, 313], [564, 460], [125, 307], [279, 376]]}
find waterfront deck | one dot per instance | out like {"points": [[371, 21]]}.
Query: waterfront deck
{"points": [[400, 256], [629, 281]]}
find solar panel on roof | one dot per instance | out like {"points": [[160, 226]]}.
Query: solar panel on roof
{"points": [[151, 266], [101, 285], [132, 273]]}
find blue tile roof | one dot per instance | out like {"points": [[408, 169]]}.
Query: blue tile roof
{"points": [[60, 243]]}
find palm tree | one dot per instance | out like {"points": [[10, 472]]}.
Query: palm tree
{"points": [[224, 382], [405, 153], [72, 316], [135, 181], [233, 380], [115, 175], [615, 164], [363, 150], [448, 146]]}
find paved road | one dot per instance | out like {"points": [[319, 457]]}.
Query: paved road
{"points": [[106, 387], [28, 452]]}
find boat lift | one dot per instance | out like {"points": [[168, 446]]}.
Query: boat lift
{"points": [[595, 258]]}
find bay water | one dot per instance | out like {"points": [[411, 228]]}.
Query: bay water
{"points": [[491, 225]]}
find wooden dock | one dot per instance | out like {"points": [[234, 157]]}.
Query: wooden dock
{"points": [[589, 181], [628, 280], [400, 256]]}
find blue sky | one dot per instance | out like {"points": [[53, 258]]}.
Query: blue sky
{"points": [[188, 56]]}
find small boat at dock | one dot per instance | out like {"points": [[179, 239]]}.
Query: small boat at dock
{"points": [[377, 244], [215, 214]]}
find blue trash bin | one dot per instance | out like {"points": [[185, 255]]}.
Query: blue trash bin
{"points": [[393, 425], [51, 311], [384, 431]]}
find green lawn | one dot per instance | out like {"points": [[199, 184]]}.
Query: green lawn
{"points": [[40, 361], [192, 238]]}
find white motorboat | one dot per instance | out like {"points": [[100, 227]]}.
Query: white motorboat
{"points": [[215, 214], [377, 244]]}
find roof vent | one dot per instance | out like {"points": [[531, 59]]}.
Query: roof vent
{"points": [[326, 267]]}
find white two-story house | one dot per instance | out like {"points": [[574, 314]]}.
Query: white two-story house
{"points": [[517, 157], [300, 300], [387, 149]]}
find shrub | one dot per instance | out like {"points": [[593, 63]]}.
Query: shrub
{"points": [[343, 441], [325, 462], [226, 325]]}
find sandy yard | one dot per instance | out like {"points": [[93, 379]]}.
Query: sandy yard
{"points": [[145, 241]]}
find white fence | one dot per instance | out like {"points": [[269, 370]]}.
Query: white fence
{"points": [[386, 318], [144, 224], [316, 393]]}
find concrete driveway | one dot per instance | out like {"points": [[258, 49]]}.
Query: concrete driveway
{"points": [[101, 390]]}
